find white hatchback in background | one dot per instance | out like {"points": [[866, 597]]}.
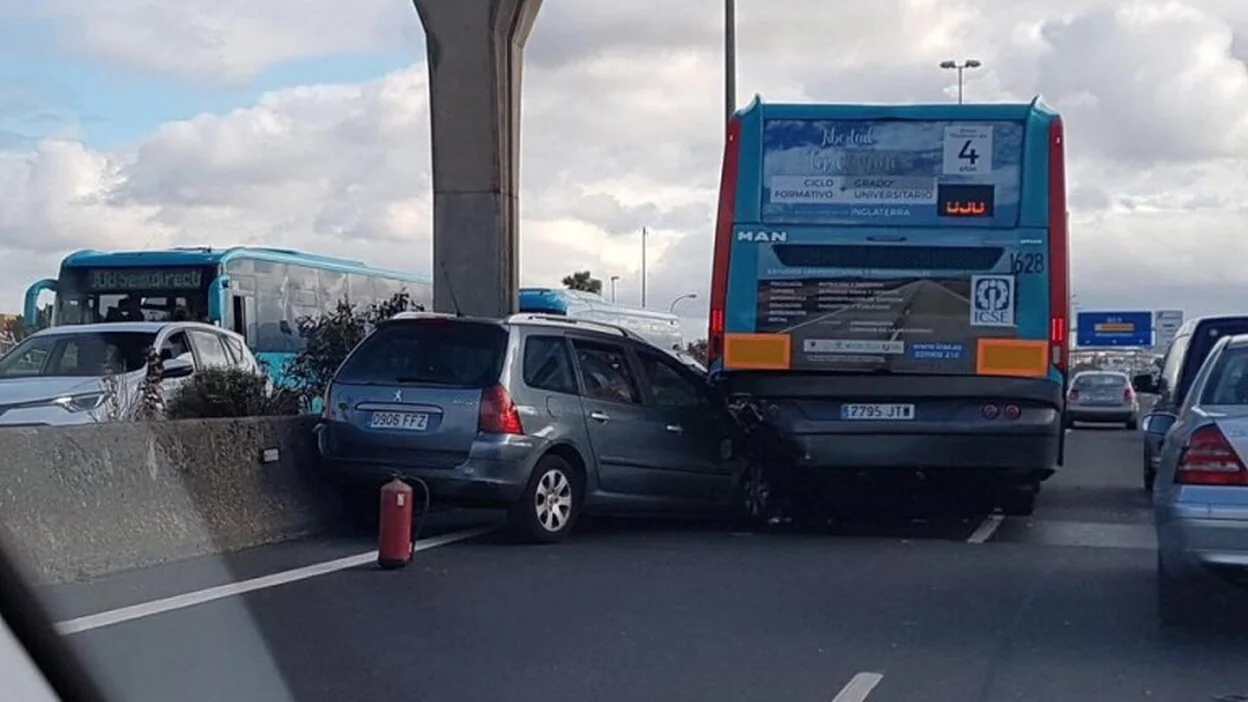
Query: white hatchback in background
{"points": [[1102, 397], [87, 373]]}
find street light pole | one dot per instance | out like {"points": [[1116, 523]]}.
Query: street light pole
{"points": [[613, 279], [671, 309], [960, 68], [730, 58]]}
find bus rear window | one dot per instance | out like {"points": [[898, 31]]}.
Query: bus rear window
{"points": [[458, 354]]}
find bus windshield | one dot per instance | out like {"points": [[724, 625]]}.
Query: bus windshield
{"points": [[89, 295]]}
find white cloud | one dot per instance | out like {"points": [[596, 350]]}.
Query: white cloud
{"points": [[226, 41], [622, 129]]}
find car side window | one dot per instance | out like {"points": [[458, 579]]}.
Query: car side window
{"points": [[175, 345], [548, 365], [604, 368], [212, 353], [668, 385], [1173, 363], [235, 347]]}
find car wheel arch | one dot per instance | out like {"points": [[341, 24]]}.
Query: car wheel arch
{"points": [[573, 457]]}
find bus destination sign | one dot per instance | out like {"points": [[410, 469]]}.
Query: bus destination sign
{"points": [[920, 173], [143, 279]]}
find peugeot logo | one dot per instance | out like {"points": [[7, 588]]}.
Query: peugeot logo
{"points": [[398, 395]]}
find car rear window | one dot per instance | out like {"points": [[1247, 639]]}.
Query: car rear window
{"points": [[1100, 381], [439, 352], [1228, 379]]}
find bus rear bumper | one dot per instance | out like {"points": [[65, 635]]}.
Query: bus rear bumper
{"points": [[1022, 457]]}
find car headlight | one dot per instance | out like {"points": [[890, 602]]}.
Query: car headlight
{"points": [[81, 403]]}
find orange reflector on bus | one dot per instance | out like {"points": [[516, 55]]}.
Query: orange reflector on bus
{"points": [[757, 351], [1018, 357]]}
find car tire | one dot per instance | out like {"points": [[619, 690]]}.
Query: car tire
{"points": [[1019, 501], [1179, 603], [1150, 479], [551, 503], [755, 502], [1133, 425]]}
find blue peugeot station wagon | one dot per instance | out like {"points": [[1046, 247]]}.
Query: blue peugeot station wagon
{"points": [[547, 416]]}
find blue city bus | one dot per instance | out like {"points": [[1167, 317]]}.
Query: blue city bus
{"points": [[657, 328], [892, 283], [255, 291]]}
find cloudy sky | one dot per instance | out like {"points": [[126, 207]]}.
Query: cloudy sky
{"points": [[137, 124]]}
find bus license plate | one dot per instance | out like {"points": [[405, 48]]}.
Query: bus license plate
{"points": [[874, 411], [406, 421]]}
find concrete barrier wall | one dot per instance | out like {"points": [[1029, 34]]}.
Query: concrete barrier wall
{"points": [[83, 501]]}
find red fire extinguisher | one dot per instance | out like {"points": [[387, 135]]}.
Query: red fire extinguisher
{"points": [[394, 538]]}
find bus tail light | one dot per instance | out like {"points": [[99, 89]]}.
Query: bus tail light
{"points": [[1012, 412], [990, 411], [1059, 250], [1209, 459], [722, 251]]}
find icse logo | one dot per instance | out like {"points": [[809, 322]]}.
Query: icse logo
{"points": [[762, 236], [992, 301]]}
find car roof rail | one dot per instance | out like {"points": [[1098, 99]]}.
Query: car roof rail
{"points": [[553, 320], [420, 314]]}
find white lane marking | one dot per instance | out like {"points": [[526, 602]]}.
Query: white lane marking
{"points": [[986, 529], [857, 689], [190, 599]]}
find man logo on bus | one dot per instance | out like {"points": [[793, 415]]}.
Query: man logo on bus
{"points": [[992, 301], [763, 237]]}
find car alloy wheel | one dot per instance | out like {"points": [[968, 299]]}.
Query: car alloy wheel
{"points": [[552, 500], [756, 495]]}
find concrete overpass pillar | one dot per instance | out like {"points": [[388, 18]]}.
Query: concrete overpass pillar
{"points": [[476, 50]]}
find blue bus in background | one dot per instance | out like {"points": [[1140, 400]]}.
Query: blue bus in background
{"points": [[657, 328], [258, 292], [893, 283]]}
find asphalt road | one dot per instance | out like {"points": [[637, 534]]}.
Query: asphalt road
{"points": [[1059, 606]]}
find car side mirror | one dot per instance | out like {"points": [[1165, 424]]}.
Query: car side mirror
{"points": [[1157, 423], [177, 368], [1144, 383]]}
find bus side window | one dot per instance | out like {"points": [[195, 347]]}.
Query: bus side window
{"points": [[271, 308], [361, 289], [333, 288]]}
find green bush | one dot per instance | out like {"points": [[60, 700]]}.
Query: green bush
{"points": [[229, 392], [328, 339]]}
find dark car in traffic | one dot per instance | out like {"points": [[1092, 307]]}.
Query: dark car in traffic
{"points": [[1192, 344]]}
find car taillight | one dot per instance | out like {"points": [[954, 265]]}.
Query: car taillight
{"points": [[1074, 396], [1209, 459], [498, 414], [1128, 395]]}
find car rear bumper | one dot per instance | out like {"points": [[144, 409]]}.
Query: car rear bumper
{"points": [[492, 474], [1022, 456], [1077, 413], [1192, 540]]}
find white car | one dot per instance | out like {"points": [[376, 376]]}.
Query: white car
{"points": [[87, 373]]}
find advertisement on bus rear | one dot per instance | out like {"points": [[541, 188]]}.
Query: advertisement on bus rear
{"points": [[945, 304], [894, 172]]}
